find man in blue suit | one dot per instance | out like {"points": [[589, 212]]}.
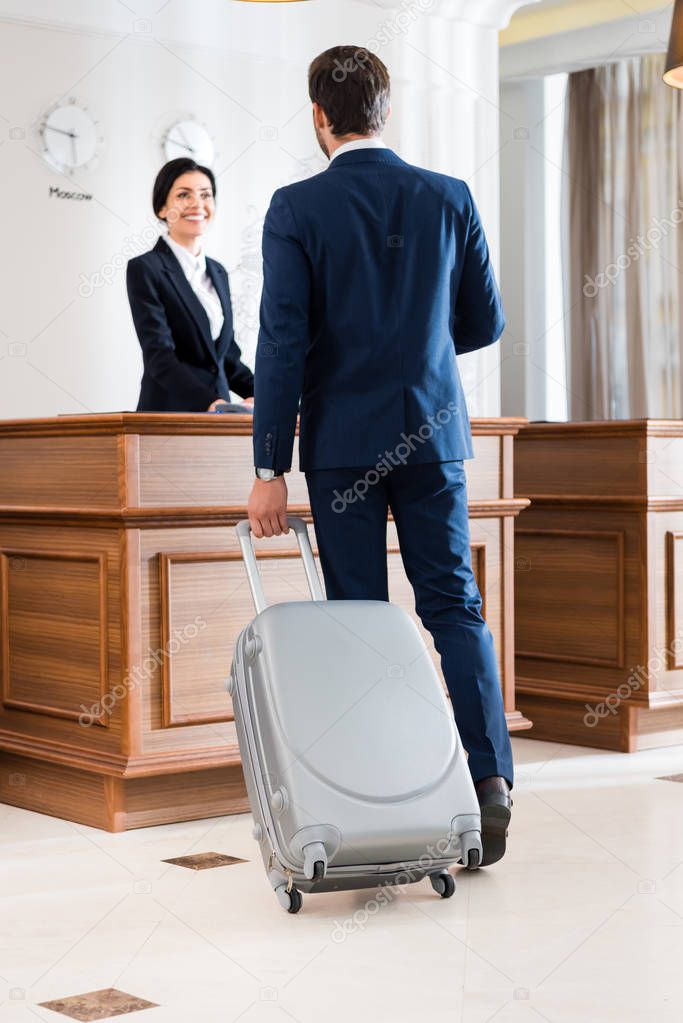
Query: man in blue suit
{"points": [[376, 275]]}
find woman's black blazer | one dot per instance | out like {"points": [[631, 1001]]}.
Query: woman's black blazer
{"points": [[184, 369]]}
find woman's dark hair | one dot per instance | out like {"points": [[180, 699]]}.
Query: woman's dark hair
{"points": [[169, 174], [353, 87]]}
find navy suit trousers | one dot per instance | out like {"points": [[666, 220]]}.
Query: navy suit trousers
{"points": [[429, 504]]}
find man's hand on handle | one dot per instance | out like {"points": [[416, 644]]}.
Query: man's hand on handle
{"points": [[267, 507]]}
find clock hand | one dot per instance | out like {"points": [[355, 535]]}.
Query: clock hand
{"points": [[184, 136], [181, 144], [49, 127]]}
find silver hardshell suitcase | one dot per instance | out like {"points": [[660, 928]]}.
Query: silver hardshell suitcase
{"points": [[354, 768]]}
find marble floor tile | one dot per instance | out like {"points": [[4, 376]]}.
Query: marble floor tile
{"points": [[204, 861], [98, 1005], [581, 922]]}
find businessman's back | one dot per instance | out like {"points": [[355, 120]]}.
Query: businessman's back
{"points": [[386, 277], [376, 274]]}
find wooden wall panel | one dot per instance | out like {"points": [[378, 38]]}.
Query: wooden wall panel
{"points": [[179, 471], [195, 631], [590, 464], [53, 623], [570, 596], [205, 603], [673, 591], [188, 797], [62, 472], [484, 474], [663, 628], [226, 607], [621, 476], [128, 524], [665, 466], [55, 789], [651, 729], [92, 547]]}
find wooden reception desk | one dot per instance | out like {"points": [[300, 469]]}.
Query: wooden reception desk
{"points": [[599, 582], [123, 593]]}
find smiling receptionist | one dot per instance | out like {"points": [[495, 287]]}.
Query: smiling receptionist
{"points": [[180, 301]]}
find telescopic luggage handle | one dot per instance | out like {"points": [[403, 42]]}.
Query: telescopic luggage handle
{"points": [[254, 576]]}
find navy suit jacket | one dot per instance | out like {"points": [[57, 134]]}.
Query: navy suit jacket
{"points": [[184, 369], [376, 275]]}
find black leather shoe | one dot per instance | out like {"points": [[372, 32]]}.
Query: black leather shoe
{"points": [[496, 809]]}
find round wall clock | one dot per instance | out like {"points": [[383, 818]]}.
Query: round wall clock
{"points": [[189, 138], [70, 136]]}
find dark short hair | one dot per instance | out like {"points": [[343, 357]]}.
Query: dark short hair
{"points": [[353, 87], [169, 174]]}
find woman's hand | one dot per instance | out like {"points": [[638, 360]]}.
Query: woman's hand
{"points": [[221, 401]]}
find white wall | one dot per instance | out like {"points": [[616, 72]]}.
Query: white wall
{"points": [[67, 343], [523, 252]]}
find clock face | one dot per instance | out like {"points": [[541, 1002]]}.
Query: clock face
{"points": [[70, 137], [188, 138]]}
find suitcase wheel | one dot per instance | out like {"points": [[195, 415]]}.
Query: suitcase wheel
{"points": [[295, 901], [443, 884], [473, 859], [318, 870], [289, 900], [471, 849]]}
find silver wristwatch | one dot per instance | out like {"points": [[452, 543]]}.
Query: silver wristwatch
{"points": [[267, 475]]}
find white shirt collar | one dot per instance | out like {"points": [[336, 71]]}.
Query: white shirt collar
{"points": [[191, 264], [369, 143]]}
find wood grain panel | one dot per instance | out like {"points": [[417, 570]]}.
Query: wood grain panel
{"points": [[561, 720], [194, 637], [119, 804], [54, 789], [180, 471], [581, 476], [186, 797], [548, 463], [54, 632], [59, 471], [200, 623], [66, 732], [674, 599], [665, 466], [484, 473], [141, 492], [651, 729], [570, 596], [234, 603]]}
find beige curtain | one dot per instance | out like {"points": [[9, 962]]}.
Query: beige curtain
{"points": [[624, 244]]}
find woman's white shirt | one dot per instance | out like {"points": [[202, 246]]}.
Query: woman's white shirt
{"points": [[194, 268]]}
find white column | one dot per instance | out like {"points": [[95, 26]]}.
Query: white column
{"points": [[446, 112]]}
